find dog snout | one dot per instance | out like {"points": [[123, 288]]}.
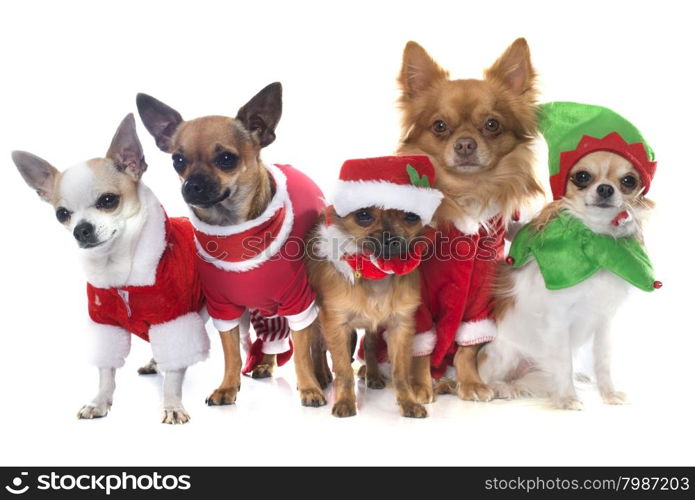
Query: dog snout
{"points": [[465, 146], [198, 189], [393, 246], [85, 234], [605, 191]]}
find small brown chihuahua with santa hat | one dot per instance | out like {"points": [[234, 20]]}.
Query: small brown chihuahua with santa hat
{"points": [[363, 261]]}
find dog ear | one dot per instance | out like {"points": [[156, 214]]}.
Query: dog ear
{"points": [[126, 150], [37, 173], [418, 71], [160, 120], [514, 68], [262, 113]]}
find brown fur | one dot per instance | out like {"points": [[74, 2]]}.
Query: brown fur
{"points": [[500, 175], [370, 304], [245, 190]]}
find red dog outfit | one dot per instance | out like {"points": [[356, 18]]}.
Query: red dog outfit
{"points": [[258, 266], [159, 302], [456, 292]]}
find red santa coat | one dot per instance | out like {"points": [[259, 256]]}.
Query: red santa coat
{"points": [[162, 309], [258, 266], [457, 274], [457, 291]]}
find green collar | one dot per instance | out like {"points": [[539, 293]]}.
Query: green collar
{"points": [[568, 252]]}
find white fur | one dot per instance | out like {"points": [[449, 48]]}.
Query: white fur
{"points": [[472, 222], [132, 257], [303, 319], [332, 244], [110, 345], [538, 337], [353, 195], [476, 332], [280, 199], [179, 343], [423, 343]]}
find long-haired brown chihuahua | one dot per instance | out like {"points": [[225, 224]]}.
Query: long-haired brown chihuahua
{"points": [[478, 135], [362, 260]]}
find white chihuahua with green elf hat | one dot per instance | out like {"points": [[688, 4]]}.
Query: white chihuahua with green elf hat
{"points": [[571, 266]]}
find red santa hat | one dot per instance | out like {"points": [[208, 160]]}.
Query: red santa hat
{"points": [[389, 182]]}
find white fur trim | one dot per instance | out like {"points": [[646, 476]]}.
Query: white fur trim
{"points": [[180, 342], [276, 346], [471, 224], [303, 319], [332, 244], [281, 198], [133, 259], [110, 345], [476, 332], [423, 343], [353, 195], [224, 325]]}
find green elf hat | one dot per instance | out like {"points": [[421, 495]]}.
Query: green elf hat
{"points": [[573, 130]]}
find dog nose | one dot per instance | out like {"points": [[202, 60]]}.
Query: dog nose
{"points": [[465, 146], [196, 189], [605, 190], [393, 246], [84, 233]]}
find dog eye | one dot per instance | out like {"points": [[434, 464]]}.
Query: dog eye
{"points": [[179, 162], [107, 201], [63, 215], [363, 217], [581, 178], [629, 181], [492, 125], [226, 160], [411, 218], [440, 126]]}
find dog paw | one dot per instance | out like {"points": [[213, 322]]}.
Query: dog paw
{"points": [[411, 409], [222, 396], [149, 369], [424, 393], [614, 398], [376, 381], [312, 397], [582, 378], [91, 410], [344, 408], [262, 371], [174, 416], [444, 386], [506, 390], [568, 403], [475, 391]]}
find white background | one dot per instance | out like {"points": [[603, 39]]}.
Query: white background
{"points": [[70, 73]]}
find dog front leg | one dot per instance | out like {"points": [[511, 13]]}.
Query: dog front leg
{"points": [[470, 387], [602, 367], [226, 393], [174, 412], [558, 363], [101, 404], [400, 347], [309, 389], [337, 338]]}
